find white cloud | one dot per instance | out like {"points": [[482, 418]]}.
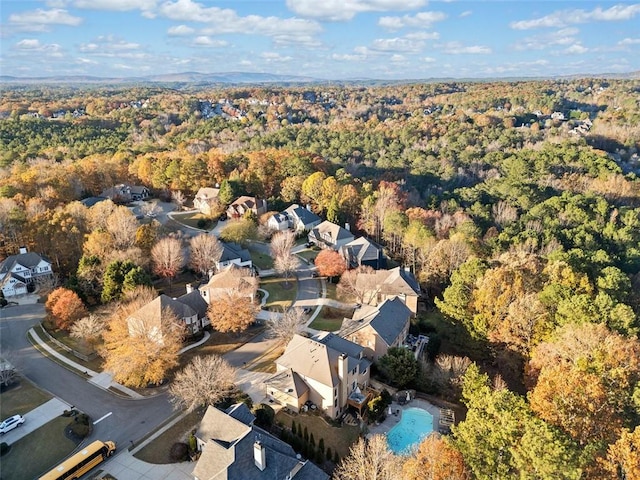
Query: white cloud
{"points": [[575, 49], [28, 44], [419, 20], [422, 36], [117, 5], [205, 41], [629, 41], [32, 46], [466, 13], [567, 17], [274, 57], [428, 60], [456, 48], [224, 21], [180, 30], [41, 20], [396, 45], [347, 57], [564, 36], [342, 10], [112, 47], [396, 58]]}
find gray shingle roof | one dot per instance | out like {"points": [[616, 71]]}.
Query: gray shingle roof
{"points": [[196, 302], [305, 216], [388, 320], [29, 260], [233, 457], [152, 311], [363, 249], [231, 251]]}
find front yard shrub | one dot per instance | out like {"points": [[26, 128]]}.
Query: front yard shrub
{"points": [[329, 453], [80, 426], [179, 452], [4, 448]]}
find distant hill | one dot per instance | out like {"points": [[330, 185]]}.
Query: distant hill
{"points": [[245, 78]]}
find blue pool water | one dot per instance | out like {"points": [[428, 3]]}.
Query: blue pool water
{"points": [[414, 425]]}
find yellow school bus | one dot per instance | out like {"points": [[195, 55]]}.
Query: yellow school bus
{"points": [[83, 461]]}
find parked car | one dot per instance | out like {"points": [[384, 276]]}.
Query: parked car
{"points": [[307, 310], [11, 423]]}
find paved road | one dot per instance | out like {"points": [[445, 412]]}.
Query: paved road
{"points": [[116, 418]]}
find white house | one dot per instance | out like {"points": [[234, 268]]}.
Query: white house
{"points": [[18, 272], [204, 199], [295, 218], [233, 253]]}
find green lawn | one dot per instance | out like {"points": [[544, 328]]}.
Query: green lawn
{"points": [[21, 398], [192, 219], [308, 254], [330, 319], [338, 439], [38, 452], [261, 260], [281, 293]]}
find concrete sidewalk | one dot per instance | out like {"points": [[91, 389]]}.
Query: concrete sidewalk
{"points": [[36, 418]]}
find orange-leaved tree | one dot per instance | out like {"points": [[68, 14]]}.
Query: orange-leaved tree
{"points": [[232, 312], [330, 263], [64, 307]]}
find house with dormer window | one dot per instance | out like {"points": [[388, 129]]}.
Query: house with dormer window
{"points": [[20, 273]]}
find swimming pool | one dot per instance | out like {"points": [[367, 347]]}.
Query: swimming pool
{"points": [[414, 425]]}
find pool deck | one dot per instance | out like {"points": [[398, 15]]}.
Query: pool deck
{"points": [[393, 419]]}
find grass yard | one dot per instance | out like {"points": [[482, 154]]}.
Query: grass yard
{"points": [[94, 364], [192, 219], [338, 439], [260, 259], [266, 363], [38, 452], [281, 294], [308, 254], [21, 398], [330, 319], [157, 451]]}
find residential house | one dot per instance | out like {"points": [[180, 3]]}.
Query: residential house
{"points": [[231, 279], [232, 253], [148, 320], [20, 273], [295, 218], [244, 204], [363, 251], [205, 198], [387, 284], [91, 201], [124, 193], [330, 235], [378, 328], [326, 370], [232, 447], [193, 298]]}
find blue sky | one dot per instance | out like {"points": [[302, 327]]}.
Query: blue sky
{"points": [[332, 39]]}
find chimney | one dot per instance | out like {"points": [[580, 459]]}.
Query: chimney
{"points": [[23, 250], [342, 366], [347, 227], [259, 455], [189, 287]]}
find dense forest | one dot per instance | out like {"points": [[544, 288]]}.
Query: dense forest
{"points": [[516, 204]]}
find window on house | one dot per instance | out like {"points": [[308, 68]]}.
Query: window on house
{"points": [[335, 403]]}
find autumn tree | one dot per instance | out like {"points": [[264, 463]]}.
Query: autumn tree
{"points": [[359, 285], [139, 349], [435, 459], [167, 258], [205, 252], [370, 460], [122, 225], [65, 307], [283, 327], [584, 381], [204, 381], [232, 312], [284, 262], [623, 457], [330, 263]]}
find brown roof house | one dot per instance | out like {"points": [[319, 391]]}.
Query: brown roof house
{"points": [[205, 198], [378, 328], [326, 370], [231, 279], [384, 285], [329, 235], [148, 320], [233, 448], [244, 204]]}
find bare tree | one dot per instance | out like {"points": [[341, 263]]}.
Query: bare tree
{"points": [[179, 199], [206, 251], [285, 326], [447, 371], [205, 381], [167, 258], [285, 263], [150, 209], [122, 225], [359, 284], [8, 372], [370, 460], [88, 329]]}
